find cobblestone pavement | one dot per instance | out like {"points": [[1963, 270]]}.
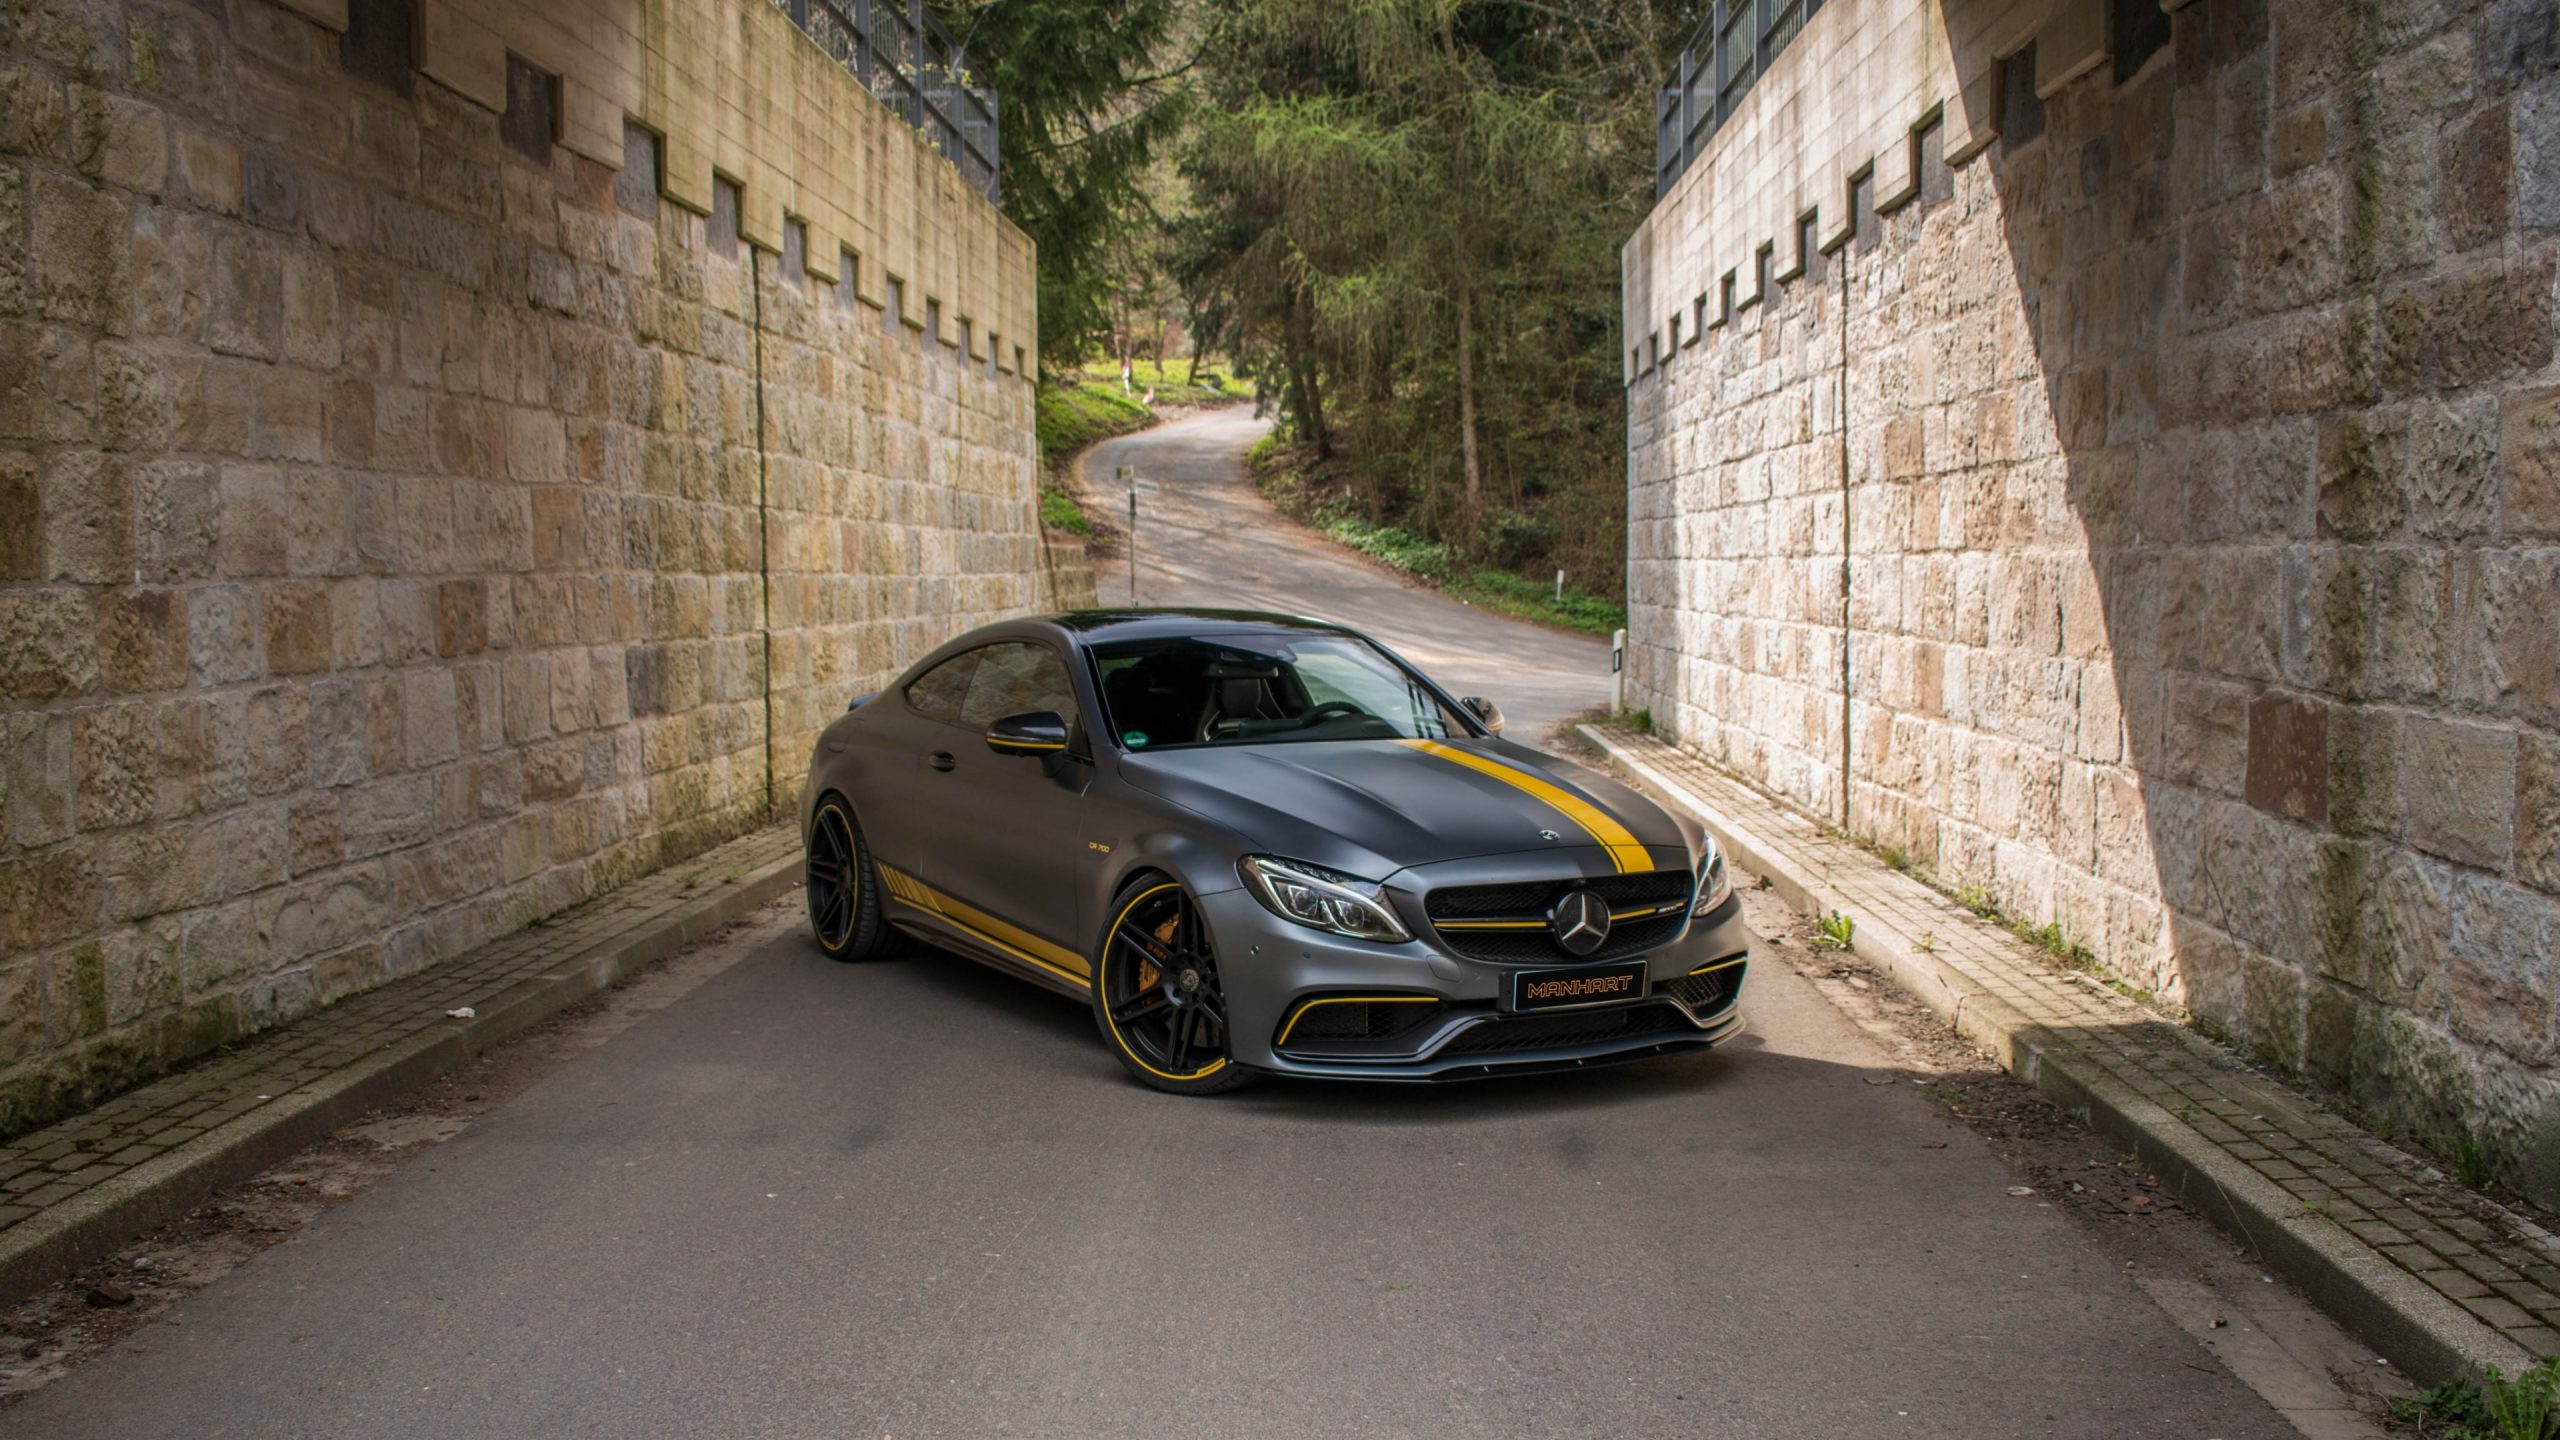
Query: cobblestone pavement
{"points": [[231, 1100], [2368, 1215]]}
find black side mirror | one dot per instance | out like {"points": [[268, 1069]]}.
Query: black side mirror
{"points": [[1486, 711], [1038, 732]]}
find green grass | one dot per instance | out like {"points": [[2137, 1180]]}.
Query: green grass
{"points": [[1834, 931], [1070, 417], [1059, 511], [1214, 385], [2049, 937], [1442, 568], [2494, 1408], [2468, 1159]]}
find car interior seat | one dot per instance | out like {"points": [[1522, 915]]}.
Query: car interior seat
{"points": [[1150, 699]]}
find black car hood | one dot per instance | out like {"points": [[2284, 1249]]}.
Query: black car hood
{"points": [[1373, 807]]}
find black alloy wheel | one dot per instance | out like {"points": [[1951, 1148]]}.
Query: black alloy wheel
{"points": [[843, 890], [1157, 997]]}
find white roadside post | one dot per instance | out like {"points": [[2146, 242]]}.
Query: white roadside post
{"points": [[1618, 673]]}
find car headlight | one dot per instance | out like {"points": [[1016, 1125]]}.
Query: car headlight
{"points": [[1715, 883], [1322, 899]]}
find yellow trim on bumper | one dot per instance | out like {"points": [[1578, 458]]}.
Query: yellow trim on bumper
{"points": [[1307, 1005]]}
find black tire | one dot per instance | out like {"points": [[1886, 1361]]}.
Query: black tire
{"points": [[1156, 993], [843, 887]]}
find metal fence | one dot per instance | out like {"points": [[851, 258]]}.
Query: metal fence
{"points": [[1733, 48], [905, 58]]}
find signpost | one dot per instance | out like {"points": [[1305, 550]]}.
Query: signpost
{"points": [[1128, 476], [1618, 673]]}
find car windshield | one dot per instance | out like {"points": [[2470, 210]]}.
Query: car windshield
{"points": [[1263, 690]]}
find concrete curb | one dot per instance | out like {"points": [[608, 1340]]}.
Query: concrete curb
{"points": [[2417, 1329], [44, 1248]]}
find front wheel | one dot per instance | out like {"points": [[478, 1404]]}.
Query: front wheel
{"points": [[843, 888], [1157, 997]]}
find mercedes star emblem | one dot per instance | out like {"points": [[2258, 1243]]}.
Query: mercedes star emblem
{"points": [[1580, 922]]}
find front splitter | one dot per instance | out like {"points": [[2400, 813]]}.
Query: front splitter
{"points": [[1583, 1057]]}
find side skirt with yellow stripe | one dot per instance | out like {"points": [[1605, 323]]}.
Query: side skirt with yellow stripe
{"points": [[1041, 959]]}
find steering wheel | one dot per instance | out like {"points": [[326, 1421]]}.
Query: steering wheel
{"points": [[1329, 710]]}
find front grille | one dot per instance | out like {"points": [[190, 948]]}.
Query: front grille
{"points": [[1559, 1032], [1530, 901], [1706, 994], [1358, 1020], [1538, 947]]}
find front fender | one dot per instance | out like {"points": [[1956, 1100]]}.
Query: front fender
{"points": [[1164, 839]]}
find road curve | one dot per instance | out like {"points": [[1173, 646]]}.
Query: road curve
{"points": [[1207, 537]]}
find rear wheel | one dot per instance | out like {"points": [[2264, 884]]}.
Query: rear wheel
{"points": [[843, 889], [1157, 996]]}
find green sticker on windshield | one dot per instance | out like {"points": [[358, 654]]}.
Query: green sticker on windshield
{"points": [[1137, 739]]}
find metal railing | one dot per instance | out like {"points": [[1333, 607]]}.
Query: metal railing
{"points": [[908, 62], [1733, 48]]}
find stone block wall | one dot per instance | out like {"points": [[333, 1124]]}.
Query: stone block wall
{"points": [[413, 522], [2150, 521]]}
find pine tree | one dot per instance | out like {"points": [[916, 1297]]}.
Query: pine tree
{"points": [[1410, 212], [1086, 93]]}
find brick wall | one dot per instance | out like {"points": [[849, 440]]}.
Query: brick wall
{"points": [[2151, 522], [413, 522]]}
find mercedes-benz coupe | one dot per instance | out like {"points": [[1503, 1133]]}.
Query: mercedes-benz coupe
{"points": [[1260, 844]]}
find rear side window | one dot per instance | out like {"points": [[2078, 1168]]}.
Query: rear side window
{"points": [[1015, 679], [942, 690]]}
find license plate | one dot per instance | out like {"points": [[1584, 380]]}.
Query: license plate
{"points": [[1579, 985]]}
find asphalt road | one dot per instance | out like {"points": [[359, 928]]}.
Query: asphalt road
{"points": [[915, 1199], [1207, 537]]}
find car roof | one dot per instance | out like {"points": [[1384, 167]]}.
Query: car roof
{"points": [[1098, 626]]}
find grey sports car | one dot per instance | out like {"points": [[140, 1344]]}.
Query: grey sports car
{"points": [[1262, 844]]}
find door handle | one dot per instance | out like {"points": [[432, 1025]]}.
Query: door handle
{"points": [[941, 760]]}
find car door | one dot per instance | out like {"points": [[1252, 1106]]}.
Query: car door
{"points": [[1003, 832], [909, 724]]}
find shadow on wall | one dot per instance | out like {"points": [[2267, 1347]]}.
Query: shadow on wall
{"points": [[2287, 272]]}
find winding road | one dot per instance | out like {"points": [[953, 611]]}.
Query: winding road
{"points": [[1206, 537], [915, 1199]]}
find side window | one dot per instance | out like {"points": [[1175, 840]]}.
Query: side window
{"points": [[1014, 678], [942, 690]]}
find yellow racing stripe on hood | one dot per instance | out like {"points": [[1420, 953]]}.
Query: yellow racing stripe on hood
{"points": [[1625, 851]]}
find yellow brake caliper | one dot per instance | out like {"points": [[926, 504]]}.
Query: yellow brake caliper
{"points": [[1148, 974]]}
